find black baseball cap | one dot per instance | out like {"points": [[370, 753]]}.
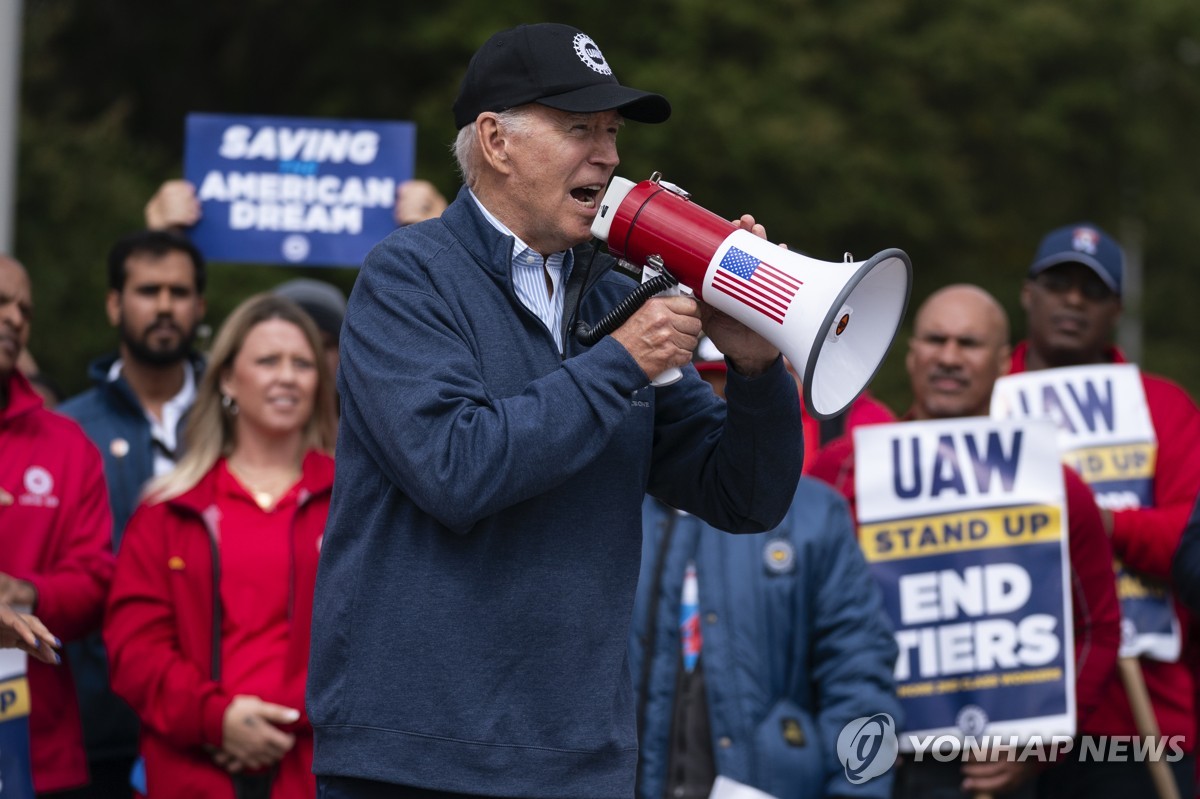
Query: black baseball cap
{"points": [[324, 302], [554, 65]]}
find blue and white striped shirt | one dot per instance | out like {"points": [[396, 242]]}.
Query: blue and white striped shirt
{"points": [[529, 274]]}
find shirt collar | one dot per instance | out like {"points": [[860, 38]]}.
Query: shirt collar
{"points": [[554, 261], [186, 394]]}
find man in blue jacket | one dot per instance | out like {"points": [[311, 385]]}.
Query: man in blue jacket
{"points": [[479, 565], [751, 653], [135, 414]]}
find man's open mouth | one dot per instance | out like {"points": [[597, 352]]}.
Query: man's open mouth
{"points": [[586, 195]]}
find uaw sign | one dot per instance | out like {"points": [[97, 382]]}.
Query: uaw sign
{"points": [[16, 776], [1105, 434], [962, 522], [290, 190]]}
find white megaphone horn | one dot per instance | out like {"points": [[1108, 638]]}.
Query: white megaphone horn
{"points": [[833, 321]]}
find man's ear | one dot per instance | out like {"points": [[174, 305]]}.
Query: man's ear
{"points": [[1026, 292], [112, 307], [493, 142]]}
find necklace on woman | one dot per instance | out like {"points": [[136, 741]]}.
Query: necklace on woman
{"points": [[265, 490]]}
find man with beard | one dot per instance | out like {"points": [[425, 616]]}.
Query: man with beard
{"points": [[134, 413]]}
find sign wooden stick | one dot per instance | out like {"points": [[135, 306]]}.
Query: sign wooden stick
{"points": [[1147, 725]]}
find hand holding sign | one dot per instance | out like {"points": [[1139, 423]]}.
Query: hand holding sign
{"points": [[174, 205], [291, 190], [416, 201]]}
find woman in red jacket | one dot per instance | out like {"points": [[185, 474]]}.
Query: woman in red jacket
{"points": [[210, 610]]}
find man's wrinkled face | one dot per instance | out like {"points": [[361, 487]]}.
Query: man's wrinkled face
{"points": [[16, 313], [958, 349], [158, 310], [1070, 314], [560, 163]]}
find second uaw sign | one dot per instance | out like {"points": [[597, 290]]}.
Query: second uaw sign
{"points": [[962, 522], [1105, 433]]}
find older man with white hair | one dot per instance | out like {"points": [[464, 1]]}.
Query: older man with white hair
{"points": [[479, 565]]}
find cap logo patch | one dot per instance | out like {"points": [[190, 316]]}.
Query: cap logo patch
{"points": [[589, 53], [1085, 239]]}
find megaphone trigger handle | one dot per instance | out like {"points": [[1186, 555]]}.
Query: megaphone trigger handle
{"points": [[589, 335], [672, 375]]}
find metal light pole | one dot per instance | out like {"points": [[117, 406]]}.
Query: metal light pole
{"points": [[10, 91]]}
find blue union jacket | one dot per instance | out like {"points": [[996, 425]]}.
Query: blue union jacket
{"points": [[795, 645]]}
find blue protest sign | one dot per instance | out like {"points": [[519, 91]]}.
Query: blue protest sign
{"points": [[963, 526], [1106, 435], [295, 190], [16, 776]]}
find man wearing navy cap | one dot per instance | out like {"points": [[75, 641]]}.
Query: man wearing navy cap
{"points": [[478, 569], [1072, 301]]}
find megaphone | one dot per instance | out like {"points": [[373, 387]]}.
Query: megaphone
{"points": [[833, 321]]}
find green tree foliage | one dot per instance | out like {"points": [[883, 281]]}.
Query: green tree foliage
{"points": [[959, 132]]}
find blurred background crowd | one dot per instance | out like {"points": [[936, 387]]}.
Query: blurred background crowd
{"points": [[958, 133]]}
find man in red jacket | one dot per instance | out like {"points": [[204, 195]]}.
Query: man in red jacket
{"points": [[54, 532], [1072, 302], [958, 348]]}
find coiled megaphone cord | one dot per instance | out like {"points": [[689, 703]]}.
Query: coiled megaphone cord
{"points": [[623, 310]]}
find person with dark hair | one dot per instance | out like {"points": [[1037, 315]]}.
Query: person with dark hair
{"points": [[54, 538], [135, 413], [208, 618], [1072, 299], [326, 304], [481, 557]]}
